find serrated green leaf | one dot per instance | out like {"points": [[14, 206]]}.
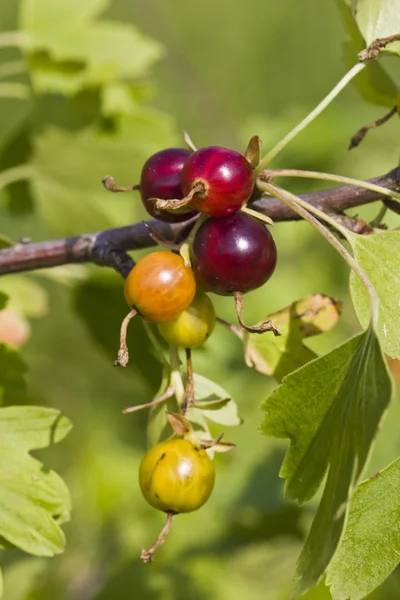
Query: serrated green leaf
{"points": [[370, 548], [206, 392], [379, 19], [379, 257], [33, 501], [77, 51], [373, 83], [330, 410], [280, 355], [12, 371]]}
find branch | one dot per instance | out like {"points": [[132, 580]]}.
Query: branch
{"points": [[109, 247]]}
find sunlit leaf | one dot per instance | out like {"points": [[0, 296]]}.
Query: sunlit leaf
{"points": [[206, 392], [373, 83], [33, 501], [379, 256], [370, 548], [330, 410], [279, 355], [77, 51], [379, 19]]}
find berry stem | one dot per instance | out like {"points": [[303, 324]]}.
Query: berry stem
{"points": [[189, 392], [359, 135], [146, 556], [310, 117], [110, 185], [234, 328], [269, 175], [176, 377], [266, 326], [159, 239], [257, 215], [303, 209], [123, 354], [169, 392]]}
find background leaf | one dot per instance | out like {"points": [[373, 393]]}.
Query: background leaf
{"points": [[373, 83], [207, 391], [379, 19], [379, 256], [370, 548], [330, 410], [280, 355], [32, 501]]}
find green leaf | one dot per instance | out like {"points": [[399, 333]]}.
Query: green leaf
{"points": [[379, 256], [77, 51], [26, 295], [379, 19], [370, 548], [330, 410], [1, 584], [33, 501], [12, 371], [280, 355], [373, 83], [213, 402]]}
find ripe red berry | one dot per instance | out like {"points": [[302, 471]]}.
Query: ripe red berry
{"points": [[160, 286], [161, 178], [233, 254], [225, 177]]}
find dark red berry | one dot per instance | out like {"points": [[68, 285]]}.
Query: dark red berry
{"points": [[225, 177], [161, 178], [233, 254]]}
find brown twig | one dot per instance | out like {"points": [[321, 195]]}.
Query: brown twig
{"points": [[376, 47], [109, 247], [169, 392]]}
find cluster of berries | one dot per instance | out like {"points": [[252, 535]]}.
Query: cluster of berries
{"points": [[228, 252]]}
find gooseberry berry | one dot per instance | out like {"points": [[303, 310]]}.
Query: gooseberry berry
{"points": [[176, 476], [225, 179], [161, 178], [193, 326], [233, 254], [160, 286]]}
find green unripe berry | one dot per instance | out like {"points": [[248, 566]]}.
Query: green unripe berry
{"points": [[193, 326]]}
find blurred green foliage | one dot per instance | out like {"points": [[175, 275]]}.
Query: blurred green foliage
{"points": [[93, 104]]}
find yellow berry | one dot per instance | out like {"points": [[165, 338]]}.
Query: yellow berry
{"points": [[193, 326], [176, 476]]}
